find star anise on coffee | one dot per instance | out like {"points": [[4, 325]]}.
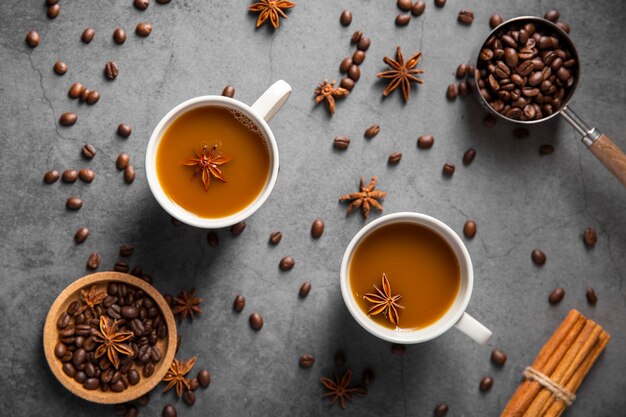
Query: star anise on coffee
{"points": [[110, 340], [272, 9], [365, 199], [175, 376], [338, 389], [383, 301], [401, 73], [209, 163], [186, 304], [327, 92], [90, 298]]}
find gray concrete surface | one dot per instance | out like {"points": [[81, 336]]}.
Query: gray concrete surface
{"points": [[519, 200]]}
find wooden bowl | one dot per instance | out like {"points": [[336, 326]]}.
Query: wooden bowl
{"points": [[51, 338]]}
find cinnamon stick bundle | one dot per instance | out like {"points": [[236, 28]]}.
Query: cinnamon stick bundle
{"points": [[559, 369]]}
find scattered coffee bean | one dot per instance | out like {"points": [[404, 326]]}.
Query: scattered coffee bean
{"points": [[120, 266], [368, 376], [238, 228], [286, 263], [239, 303], [143, 29], [53, 11], [354, 72], [92, 97], [441, 410], [84, 94], [317, 228], [74, 203], [69, 176], [495, 21], [122, 161], [189, 397], [404, 5], [358, 57], [341, 142], [86, 175], [33, 39], [425, 141], [463, 88], [538, 257], [204, 378], [590, 237], [563, 26], [111, 70], [144, 400], [552, 15], [60, 68], [88, 151], [466, 17], [403, 19], [448, 169], [461, 71], [452, 92], [347, 83], [345, 64], [346, 18], [119, 36], [256, 321], [372, 131], [398, 349], [305, 289], [93, 262], [169, 411], [394, 158], [213, 239], [546, 150], [275, 237], [88, 35], [75, 90], [468, 156], [418, 8], [356, 36], [51, 177], [306, 361], [498, 357], [124, 130], [490, 120], [340, 358], [469, 229], [556, 295], [81, 235], [141, 4], [229, 91], [440, 3], [129, 174], [126, 250], [68, 119], [486, 383], [364, 43], [592, 297], [521, 133]]}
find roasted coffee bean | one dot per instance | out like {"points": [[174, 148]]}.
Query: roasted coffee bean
{"points": [[563, 26], [68, 119], [119, 36], [53, 11], [358, 57], [155, 354], [448, 169], [33, 39], [117, 386], [347, 83], [440, 3], [372, 131], [79, 356], [74, 203], [364, 43], [341, 142], [317, 228], [60, 68], [51, 176], [204, 378], [466, 17], [354, 72], [137, 327], [60, 349], [194, 384], [69, 176], [418, 8], [556, 296], [398, 349], [463, 88], [345, 18], [63, 321], [120, 267], [189, 397], [469, 229], [133, 377], [73, 307], [129, 174], [256, 321], [213, 239], [404, 5], [111, 70], [126, 250], [425, 141], [69, 369], [144, 399], [345, 64], [143, 29], [486, 383], [90, 370], [275, 237], [356, 36], [468, 156], [286, 263], [141, 4], [122, 161], [88, 35], [75, 90], [340, 358], [88, 151], [394, 158], [305, 289], [403, 19], [590, 237], [495, 21], [452, 92], [239, 303], [124, 130], [148, 370], [498, 357], [86, 175], [169, 411], [92, 97], [441, 410], [130, 312], [546, 150], [461, 71], [81, 235], [237, 228], [229, 91], [91, 383], [306, 360], [592, 297], [552, 15], [538, 257]]}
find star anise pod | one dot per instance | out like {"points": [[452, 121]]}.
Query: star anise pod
{"points": [[272, 9], [110, 340], [401, 73], [338, 389], [365, 199], [384, 302], [186, 304], [90, 299], [175, 376], [327, 92], [209, 163]]}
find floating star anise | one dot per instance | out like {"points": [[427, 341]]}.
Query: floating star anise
{"points": [[384, 302], [365, 199], [209, 163], [272, 9], [327, 92], [110, 340], [338, 389], [175, 376], [186, 304], [401, 73]]}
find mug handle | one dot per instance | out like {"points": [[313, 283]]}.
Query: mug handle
{"points": [[272, 100], [473, 328]]}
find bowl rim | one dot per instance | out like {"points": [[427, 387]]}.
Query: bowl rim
{"points": [[50, 340]]}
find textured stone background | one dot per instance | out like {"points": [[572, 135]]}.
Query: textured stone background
{"points": [[519, 199]]}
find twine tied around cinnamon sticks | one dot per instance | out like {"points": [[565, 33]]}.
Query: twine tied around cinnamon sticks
{"points": [[557, 390]]}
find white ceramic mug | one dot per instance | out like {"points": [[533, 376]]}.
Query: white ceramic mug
{"points": [[454, 317], [260, 113]]}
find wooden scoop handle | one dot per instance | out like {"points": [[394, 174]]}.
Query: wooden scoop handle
{"points": [[611, 157]]}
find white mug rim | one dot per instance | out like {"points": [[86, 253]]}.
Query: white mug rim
{"points": [[454, 313], [181, 213]]}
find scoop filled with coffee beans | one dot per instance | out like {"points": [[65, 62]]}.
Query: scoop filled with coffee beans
{"points": [[527, 71]]}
